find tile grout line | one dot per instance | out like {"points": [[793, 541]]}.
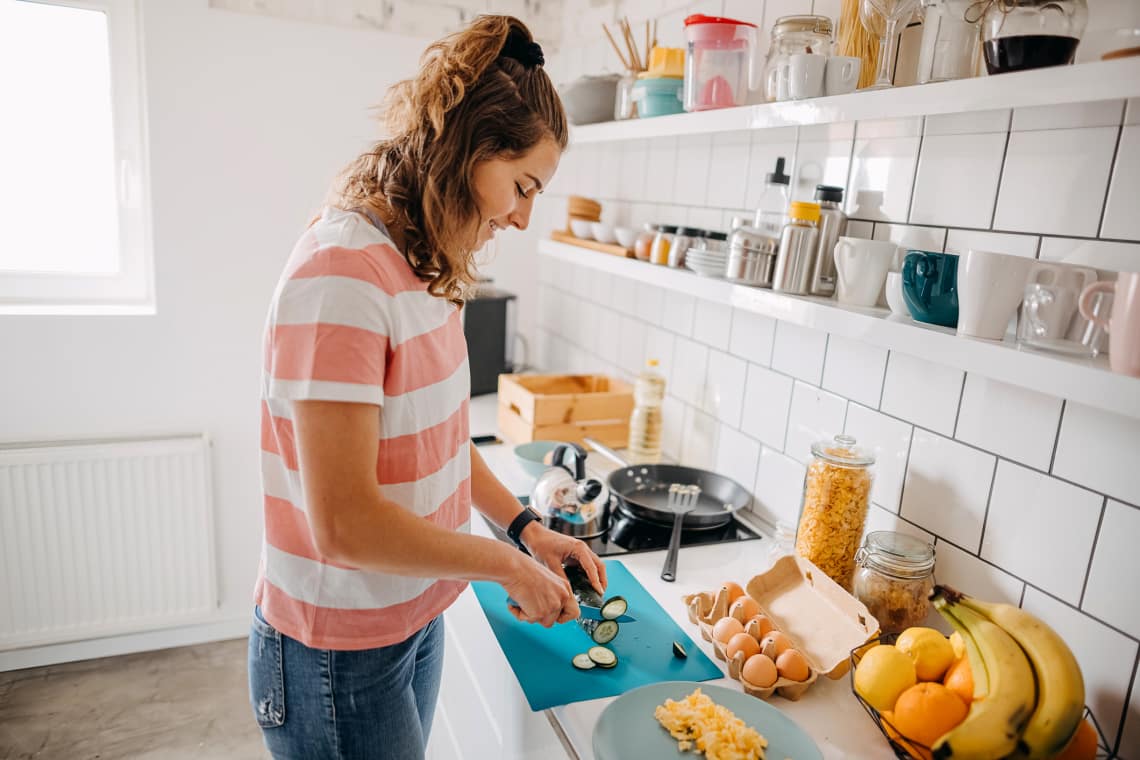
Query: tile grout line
{"points": [[958, 410], [1111, 174], [1092, 554], [917, 164], [883, 385], [1001, 170], [906, 471], [989, 502], [1057, 437], [1132, 686]]}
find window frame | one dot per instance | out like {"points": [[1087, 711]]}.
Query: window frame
{"points": [[130, 290]]}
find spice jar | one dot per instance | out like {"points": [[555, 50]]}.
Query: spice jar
{"points": [[837, 492], [644, 242], [685, 238], [662, 244], [894, 579]]}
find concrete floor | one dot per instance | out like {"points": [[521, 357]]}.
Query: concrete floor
{"points": [[190, 702]]}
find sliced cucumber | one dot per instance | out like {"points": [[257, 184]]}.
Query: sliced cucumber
{"points": [[614, 608], [679, 651], [604, 658], [601, 631], [583, 661]]}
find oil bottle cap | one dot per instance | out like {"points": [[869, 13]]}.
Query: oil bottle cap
{"points": [[808, 212]]}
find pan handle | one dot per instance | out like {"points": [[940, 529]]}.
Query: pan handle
{"points": [[606, 451]]}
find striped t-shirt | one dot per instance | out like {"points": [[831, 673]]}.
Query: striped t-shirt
{"points": [[350, 321]]}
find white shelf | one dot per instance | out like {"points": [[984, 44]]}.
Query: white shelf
{"points": [[1083, 83], [1085, 382]]}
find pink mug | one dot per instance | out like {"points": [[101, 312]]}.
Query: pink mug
{"points": [[1123, 326]]}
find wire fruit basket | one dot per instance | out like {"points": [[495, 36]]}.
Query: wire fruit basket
{"points": [[909, 749]]}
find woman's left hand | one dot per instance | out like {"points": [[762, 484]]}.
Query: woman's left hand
{"points": [[555, 549]]}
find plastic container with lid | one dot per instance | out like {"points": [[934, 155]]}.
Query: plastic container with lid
{"points": [[798, 243], [718, 65], [837, 493], [662, 243], [646, 420], [894, 578], [793, 34], [657, 96]]}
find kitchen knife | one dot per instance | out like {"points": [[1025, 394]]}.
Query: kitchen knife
{"points": [[590, 613]]}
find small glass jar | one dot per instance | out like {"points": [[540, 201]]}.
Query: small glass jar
{"points": [[837, 493], [686, 237], [715, 241], [894, 579], [643, 245], [1032, 34], [949, 48], [625, 107], [790, 35], [662, 243]]}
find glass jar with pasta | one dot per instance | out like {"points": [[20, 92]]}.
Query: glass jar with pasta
{"points": [[837, 492]]}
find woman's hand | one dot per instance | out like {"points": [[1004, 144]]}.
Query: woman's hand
{"points": [[541, 596], [554, 549]]}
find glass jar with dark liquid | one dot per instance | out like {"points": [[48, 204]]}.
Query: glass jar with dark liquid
{"points": [[1031, 34]]}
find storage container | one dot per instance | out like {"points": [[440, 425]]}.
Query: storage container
{"points": [[658, 96], [564, 408], [894, 578], [718, 66]]}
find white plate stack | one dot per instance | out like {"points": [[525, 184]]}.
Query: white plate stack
{"points": [[705, 262]]}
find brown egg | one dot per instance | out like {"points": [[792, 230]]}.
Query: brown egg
{"points": [[759, 670], [764, 626], [734, 591], [742, 642], [792, 665], [744, 608], [726, 628], [774, 644]]}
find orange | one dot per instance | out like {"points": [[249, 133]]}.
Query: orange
{"points": [[960, 680], [926, 711], [888, 720], [1082, 746]]}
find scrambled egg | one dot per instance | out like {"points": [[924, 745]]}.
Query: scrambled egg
{"points": [[701, 725]]}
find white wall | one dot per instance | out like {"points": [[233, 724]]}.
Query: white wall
{"points": [[249, 120]]}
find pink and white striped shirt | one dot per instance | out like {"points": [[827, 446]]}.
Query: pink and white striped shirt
{"points": [[350, 321]]}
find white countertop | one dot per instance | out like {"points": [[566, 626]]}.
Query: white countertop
{"points": [[828, 711]]}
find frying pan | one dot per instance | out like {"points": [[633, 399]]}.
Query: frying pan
{"points": [[644, 491]]}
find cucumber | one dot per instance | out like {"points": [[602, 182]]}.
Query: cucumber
{"points": [[601, 631], [583, 661], [614, 607], [679, 651], [580, 585], [604, 658]]}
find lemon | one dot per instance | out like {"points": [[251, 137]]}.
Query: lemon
{"points": [[882, 675], [931, 652], [958, 644]]}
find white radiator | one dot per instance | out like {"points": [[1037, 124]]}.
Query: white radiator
{"points": [[105, 538]]}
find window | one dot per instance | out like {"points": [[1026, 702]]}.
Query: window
{"points": [[74, 200]]}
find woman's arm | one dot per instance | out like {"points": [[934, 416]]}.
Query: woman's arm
{"points": [[353, 524]]}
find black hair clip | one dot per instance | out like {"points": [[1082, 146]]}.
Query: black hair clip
{"points": [[523, 50]]}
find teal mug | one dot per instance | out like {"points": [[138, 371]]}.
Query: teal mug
{"points": [[930, 287]]}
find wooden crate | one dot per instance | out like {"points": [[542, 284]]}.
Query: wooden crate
{"points": [[564, 408]]}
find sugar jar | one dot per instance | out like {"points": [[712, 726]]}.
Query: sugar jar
{"points": [[837, 493], [894, 578]]}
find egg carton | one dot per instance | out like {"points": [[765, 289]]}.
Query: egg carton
{"points": [[822, 620]]}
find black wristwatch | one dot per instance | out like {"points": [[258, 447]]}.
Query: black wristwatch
{"points": [[515, 529]]}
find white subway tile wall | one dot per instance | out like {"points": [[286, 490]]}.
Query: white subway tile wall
{"points": [[1030, 499]]}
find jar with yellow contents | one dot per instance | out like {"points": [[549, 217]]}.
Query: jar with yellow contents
{"points": [[837, 493]]}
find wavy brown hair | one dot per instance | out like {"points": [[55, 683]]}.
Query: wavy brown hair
{"points": [[480, 94]]}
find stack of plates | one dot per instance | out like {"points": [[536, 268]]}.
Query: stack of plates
{"points": [[706, 263]]}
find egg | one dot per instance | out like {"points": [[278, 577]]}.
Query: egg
{"points": [[792, 665], [764, 626], [774, 644], [734, 591], [726, 628], [759, 670], [742, 642], [744, 608]]}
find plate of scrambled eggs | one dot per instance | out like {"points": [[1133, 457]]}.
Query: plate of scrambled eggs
{"points": [[689, 720]]}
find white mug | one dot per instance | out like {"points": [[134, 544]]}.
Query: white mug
{"points": [[805, 75], [842, 74], [895, 298], [861, 269], [778, 75], [990, 286]]}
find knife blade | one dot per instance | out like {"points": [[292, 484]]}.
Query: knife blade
{"points": [[588, 612]]}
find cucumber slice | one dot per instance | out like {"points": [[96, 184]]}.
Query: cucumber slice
{"points": [[583, 662], [679, 651], [601, 631], [614, 608], [603, 657]]}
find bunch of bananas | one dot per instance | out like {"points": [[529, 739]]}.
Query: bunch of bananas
{"points": [[1029, 695]]}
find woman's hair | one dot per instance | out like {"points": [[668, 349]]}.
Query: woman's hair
{"points": [[480, 94]]}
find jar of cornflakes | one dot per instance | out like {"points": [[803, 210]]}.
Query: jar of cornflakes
{"points": [[837, 492], [894, 579]]}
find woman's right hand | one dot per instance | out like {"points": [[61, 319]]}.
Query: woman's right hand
{"points": [[542, 597]]}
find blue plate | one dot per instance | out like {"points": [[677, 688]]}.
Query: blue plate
{"points": [[628, 730]]}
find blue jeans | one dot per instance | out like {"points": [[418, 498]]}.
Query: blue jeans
{"points": [[318, 704]]}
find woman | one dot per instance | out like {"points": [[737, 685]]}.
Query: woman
{"points": [[367, 467]]}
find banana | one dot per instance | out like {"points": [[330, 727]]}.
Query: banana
{"points": [[977, 664], [994, 724], [1060, 686]]}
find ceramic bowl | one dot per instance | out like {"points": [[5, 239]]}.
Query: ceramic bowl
{"points": [[582, 229], [530, 456], [603, 233], [626, 236]]}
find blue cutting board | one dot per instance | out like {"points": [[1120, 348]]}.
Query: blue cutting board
{"points": [[540, 657]]}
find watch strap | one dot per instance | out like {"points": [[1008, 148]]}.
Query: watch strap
{"points": [[523, 519]]}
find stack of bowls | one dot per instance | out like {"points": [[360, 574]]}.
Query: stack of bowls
{"points": [[582, 213], [705, 262]]}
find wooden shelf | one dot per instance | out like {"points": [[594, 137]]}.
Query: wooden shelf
{"points": [[1084, 83], [1088, 382]]}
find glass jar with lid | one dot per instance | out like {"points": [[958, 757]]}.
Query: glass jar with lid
{"points": [[1031, 34], [644, 242], [837, 493], [894, 578], [793, 34], [662, 244]]}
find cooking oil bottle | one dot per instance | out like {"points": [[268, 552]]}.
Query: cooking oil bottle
{"points": [[645, 423]]}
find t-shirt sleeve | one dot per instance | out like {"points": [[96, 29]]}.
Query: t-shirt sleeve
{"points": [[328, 339]]}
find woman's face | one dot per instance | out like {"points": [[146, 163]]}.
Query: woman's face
{"points": [[505, 189]]}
